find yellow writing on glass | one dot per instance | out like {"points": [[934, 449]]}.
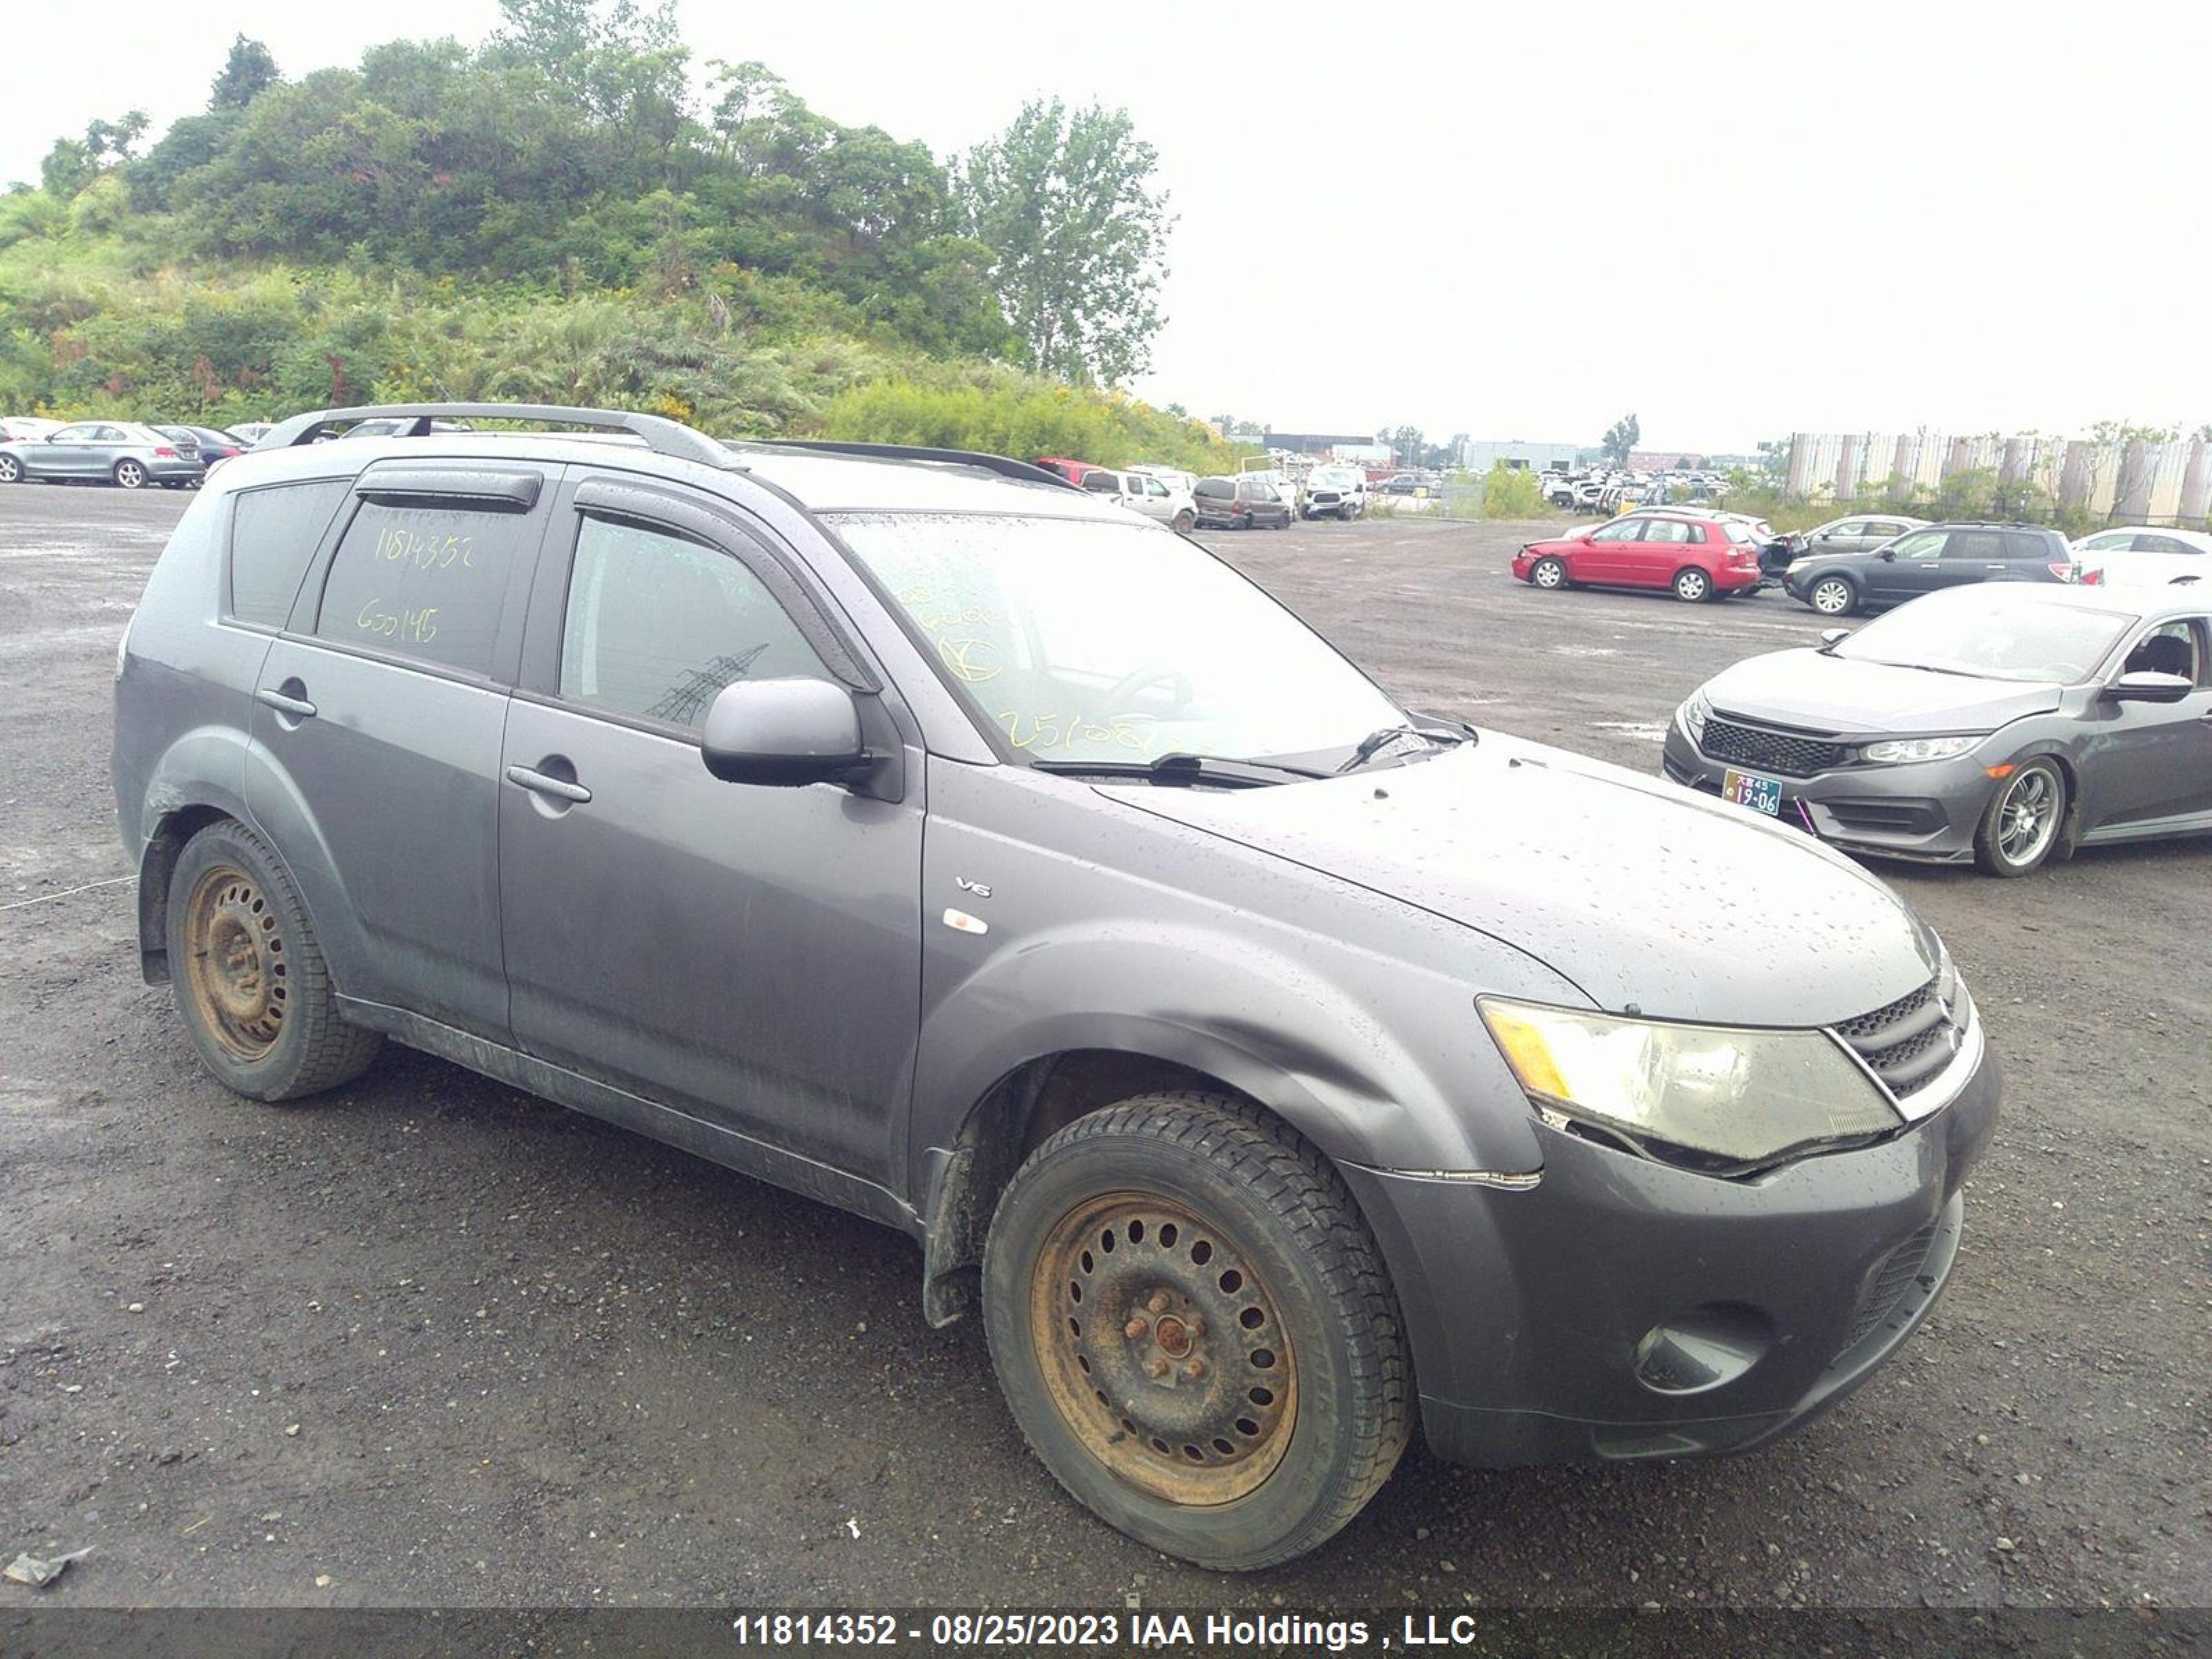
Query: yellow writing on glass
{"points": [[403, 624], [1033, 732], [969, 660], [400, 545]]}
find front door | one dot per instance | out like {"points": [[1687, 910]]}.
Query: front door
{"points": [[1975, 555], [75, 451], [1908, 569], [1610, 553], [748, 954], [2153, 760], [383, 703]]}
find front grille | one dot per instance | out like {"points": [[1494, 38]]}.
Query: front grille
{"points": [[1908, 1041], [1769, 751], [1890, 1286], [1325, 498]]}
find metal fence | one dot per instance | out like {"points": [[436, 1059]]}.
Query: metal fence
{"points": [[2132, 481]]}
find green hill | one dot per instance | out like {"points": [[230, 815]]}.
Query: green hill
{"points": [[552, 216]]}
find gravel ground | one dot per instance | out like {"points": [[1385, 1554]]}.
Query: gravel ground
{"points": [[429, 1341]]}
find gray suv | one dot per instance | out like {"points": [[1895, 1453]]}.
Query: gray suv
{"points": [[1272, 1067]]}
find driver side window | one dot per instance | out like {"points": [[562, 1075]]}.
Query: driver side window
{"points": [[658, 625], [1625, 531]]}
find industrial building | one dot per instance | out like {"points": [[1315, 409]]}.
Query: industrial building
{"points": [[1516, 456]]}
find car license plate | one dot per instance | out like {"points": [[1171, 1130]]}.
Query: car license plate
{"points": [[1749, 789]]}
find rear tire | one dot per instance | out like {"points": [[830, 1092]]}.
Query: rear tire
{"points": [[2020, 827], [1227, 1379], [1691, 586], [249, 977], [128, 475], [1185, 523], [1833, 596]]}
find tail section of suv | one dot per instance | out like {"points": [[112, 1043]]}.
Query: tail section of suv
{"points": [[1926, 559], [1247, 1123]]}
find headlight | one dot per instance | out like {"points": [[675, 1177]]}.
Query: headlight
{"points": [[1917, 749], [1694, 714], [1746, 1095]]}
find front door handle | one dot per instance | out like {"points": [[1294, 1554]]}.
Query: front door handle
{"points": [[298, 707], [540, 784]]}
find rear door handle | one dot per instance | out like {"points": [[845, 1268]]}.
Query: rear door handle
{"points": [[540, 784], [298, 707]]}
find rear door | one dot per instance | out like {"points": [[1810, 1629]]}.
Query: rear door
{"points": [[748, 954], [1651, 560], [384, 704], [1978, 555]]}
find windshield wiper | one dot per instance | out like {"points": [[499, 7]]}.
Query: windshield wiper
{"points": [[1227, 771], [1374, 742]]}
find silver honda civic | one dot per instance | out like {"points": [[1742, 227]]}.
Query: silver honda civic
{"points": [[2007, 725]]}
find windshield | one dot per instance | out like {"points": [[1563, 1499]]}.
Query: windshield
{"points": [[1109, 642], [1335, 475], [1972, 631]]}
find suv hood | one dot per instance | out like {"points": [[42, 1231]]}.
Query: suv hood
{"points": [[1650, 898], [1805, 688]]}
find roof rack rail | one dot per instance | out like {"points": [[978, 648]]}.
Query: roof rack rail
{"points": [[1003, 466], [661, 435]]}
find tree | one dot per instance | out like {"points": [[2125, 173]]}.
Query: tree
{"points": [[1620, 438], [1064, 201], [248, 72]]}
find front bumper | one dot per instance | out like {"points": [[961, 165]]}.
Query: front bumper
{"points": [[1533, 1313], [1927, 811]]}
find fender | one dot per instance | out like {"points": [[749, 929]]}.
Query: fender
{"points": [[1295, 1040], [278, 808]]}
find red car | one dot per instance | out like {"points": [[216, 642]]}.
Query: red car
{"points": [[1698, 557]]}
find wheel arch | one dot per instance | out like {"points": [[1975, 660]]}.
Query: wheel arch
{"points": [[157, 865], [1022, 1110]]}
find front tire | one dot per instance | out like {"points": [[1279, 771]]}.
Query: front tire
{"points": [[11, 469], [249, 977], [2021, 827], [1833, 596], [1194, 1330], [1550, 575], [130, 475]]}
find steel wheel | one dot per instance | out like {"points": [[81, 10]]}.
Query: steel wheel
{"points": [[11, 469], [1548, 574], [1163, 1349], [233, 961], [1831, 596], [130, 474]]}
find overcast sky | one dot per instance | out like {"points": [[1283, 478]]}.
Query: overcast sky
{"points": [[1513, 222]]}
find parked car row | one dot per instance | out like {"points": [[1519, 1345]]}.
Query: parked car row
{"points": [[129, 454]]}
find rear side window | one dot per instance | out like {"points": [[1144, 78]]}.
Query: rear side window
{"points": [[426, 582], [274, 533], [1215, 487], [658, 625], [2026, 544], [1669, 531]]}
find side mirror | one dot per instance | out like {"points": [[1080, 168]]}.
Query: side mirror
{"points": [[783, 732], [1888, 556], [1832, 638], [2147, 686]]}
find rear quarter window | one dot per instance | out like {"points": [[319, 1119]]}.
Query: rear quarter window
{"points": [[274, 533], [426, 582]]}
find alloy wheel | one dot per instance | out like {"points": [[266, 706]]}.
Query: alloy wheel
{"points": [[1831, 598], [2029, 817]]}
